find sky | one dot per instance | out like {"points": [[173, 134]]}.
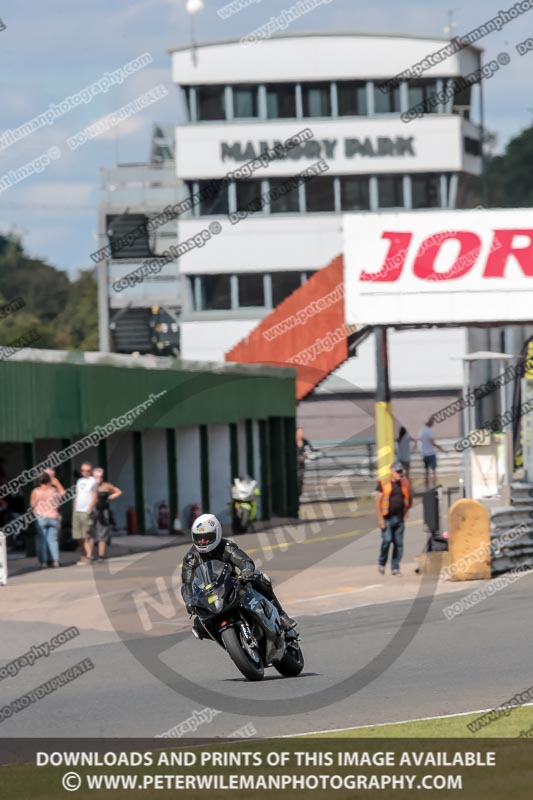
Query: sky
{"points": [[50, 50]]}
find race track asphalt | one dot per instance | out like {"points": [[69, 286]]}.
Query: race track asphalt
{"points": [[381, 662]]}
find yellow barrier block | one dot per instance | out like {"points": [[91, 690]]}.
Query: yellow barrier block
{"points": [[469, 541]]}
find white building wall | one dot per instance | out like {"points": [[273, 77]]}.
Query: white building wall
{"points": [[241, 446], [277, 242], [435, 140], [424, 359], [188, 455], [316, 57], [155, 474], [209, 341], [257, 462], [219, 471], [120, 472]]}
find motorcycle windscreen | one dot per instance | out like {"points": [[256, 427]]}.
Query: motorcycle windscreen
{"points": [[209, 574]]}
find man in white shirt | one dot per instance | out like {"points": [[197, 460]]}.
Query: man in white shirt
{"points": [[81, 522], [427, 448]]}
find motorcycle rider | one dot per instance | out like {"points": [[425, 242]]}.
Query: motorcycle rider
{"points": [[208, 545]]}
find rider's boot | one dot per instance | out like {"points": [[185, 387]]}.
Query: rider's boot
{"points": [[198, 629]]}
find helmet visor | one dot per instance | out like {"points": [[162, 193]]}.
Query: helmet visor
{"points": [[204, 537]]}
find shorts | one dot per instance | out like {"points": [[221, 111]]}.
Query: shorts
{"points": [[81, 525], [405, 464], [430, 462]]}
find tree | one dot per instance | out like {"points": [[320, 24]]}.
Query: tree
{"points": [[60, 313], [510, 176]]}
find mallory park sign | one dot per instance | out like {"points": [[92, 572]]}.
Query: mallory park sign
{"points": [[371, 147]]}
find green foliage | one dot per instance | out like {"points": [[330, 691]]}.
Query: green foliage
{"points": [[510, 176], [61, 312]]}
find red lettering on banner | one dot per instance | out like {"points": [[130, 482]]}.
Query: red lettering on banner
{"points": [[424, 264], [394, 260], [498, 256]]}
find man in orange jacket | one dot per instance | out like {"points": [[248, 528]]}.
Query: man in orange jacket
{"points": [[393, 501]]}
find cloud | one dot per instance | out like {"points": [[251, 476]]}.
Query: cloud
{"points": [[57, 194]]}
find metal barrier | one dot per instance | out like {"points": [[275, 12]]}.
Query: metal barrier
{"points": [[3, 560], [511, 531], [348, 469]]}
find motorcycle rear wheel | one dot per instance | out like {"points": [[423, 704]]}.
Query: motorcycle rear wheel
{"points": [[292, 662], [253, 671]]}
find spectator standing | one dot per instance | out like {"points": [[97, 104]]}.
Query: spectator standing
{"points": [[403, 450], [100, 512], [44, 500], [428, 446], [393, 501], [303, 448], [81, 522]]}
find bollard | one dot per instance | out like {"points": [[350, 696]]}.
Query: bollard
{"points": [[3, 560], [469, 541]]}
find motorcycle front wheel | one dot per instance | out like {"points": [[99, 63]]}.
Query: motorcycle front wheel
{"points": [[248, 663]]}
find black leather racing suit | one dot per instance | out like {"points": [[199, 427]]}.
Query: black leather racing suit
{"points": [[228, 552]]}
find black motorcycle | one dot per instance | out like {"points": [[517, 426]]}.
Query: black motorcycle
{"points": [[245, 623]]}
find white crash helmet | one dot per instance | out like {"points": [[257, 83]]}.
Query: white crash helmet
{"points": [[206, 533]]}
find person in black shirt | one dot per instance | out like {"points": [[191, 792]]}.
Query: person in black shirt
{"points": [[393, 501], [100, 513]]}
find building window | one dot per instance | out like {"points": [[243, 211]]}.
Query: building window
{"points": [[284, 284], [472, 146], [316, 99], [210, 103], [215, 292], [213, 196], [288, 202], [386, 102], [245, 102], [118, 226], [355, 195], [390, 191], [249, 195], [422, 92], [281, 101], [320, 194], [425, 191], [461, 98], [251, 290], [352, 98]]}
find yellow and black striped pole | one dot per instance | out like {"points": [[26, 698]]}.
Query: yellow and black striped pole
{"points": [[384, 422]]}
